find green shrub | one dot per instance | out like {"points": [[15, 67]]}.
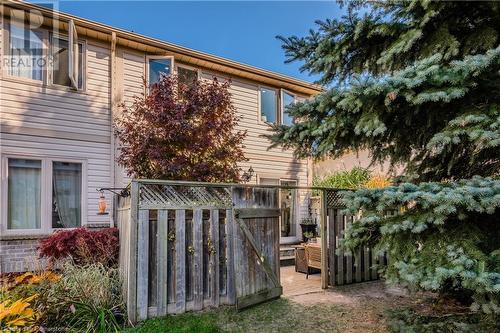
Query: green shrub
{"points": [[344, 179], [85, 299]]}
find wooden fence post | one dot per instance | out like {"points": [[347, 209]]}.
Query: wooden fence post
{"points": [[132, 267]]}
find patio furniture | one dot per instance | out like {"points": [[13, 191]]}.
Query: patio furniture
{"points": [[313, 257], [300, 259]]}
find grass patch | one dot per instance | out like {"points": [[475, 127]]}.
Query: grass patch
{"points": [[276, 316], [184, 323]]}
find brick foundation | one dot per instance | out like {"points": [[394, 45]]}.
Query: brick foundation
{"points": [[20, 255]]}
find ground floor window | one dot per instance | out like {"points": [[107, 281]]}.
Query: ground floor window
{"points": [[66, 195], [24, 194], [29, 185]]}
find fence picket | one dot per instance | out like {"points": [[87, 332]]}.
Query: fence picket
{"points": [[340, 262], [214, 257], [142, 264], [162, 257], [198, 259], [231, 287], [348, 256], [180, 258]]}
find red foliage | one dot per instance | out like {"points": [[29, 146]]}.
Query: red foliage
{"points": [[181, 132], [83, 246]]}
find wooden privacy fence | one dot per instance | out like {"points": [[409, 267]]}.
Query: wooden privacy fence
{"points": [[344, 267], [188, 246]]}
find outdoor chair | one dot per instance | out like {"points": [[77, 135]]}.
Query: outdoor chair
{"points": [[313, 257]]}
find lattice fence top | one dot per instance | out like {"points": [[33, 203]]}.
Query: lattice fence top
{"points": [[175, 196], [334, 199]]}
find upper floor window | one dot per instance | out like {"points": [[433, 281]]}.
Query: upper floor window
{"points": [[158, 66], [61, 69], [61, 63], [268, 105], [187, 75], [26, 58], [287, 99]]}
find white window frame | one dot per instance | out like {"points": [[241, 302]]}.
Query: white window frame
{"points": [[50, 81], [156, 57], [46, 53], [259, 115], [46, 194], [282, 104], [6, 52]]}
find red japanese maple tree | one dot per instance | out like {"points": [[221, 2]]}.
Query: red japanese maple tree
{"points": [[181, 132]]}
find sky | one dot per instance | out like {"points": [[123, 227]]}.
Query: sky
{"points": [[238, 30]]}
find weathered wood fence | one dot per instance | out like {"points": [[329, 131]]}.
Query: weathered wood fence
{"points": [[186, 246], [344, 267]]}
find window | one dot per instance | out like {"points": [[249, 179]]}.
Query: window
{"points": [[62, 63], [61, 68], [25, 52], [24, 194], [157, 67], [66, 195], [186, 75], [268, 105], [43, 194], [286, 100]]}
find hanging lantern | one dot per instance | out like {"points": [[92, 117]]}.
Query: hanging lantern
{"points": [[102, 205]]}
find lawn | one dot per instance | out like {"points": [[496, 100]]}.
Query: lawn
{"points": [[313, 312]]}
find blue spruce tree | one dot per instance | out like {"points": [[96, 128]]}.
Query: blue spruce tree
{"points": [[417, 83]]}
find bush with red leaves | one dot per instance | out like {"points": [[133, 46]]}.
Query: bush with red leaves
{"points": [[83, 246]]}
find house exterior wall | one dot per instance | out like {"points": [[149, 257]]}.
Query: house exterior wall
{"points": [[42, 121]]}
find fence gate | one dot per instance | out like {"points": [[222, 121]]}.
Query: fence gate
{"points": [[256, 245], [187, 246]]}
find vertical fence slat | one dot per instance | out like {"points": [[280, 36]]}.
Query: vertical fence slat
{"points": [[162, 257], [340, 262], [180, 259], [142, 264], [214, 257], [324, 241], [366, 264], [198, 258], [373, 267], [332, 244], [348, 256], [231, 287]]}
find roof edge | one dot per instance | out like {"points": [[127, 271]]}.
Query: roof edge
{"points": [[142, 39]]}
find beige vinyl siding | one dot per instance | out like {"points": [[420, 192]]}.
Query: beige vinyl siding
{"points": [[273, 163], [52, 122], [131, 75]]}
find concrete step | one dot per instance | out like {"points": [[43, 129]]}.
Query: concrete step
{"points": [[287, 255]]}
